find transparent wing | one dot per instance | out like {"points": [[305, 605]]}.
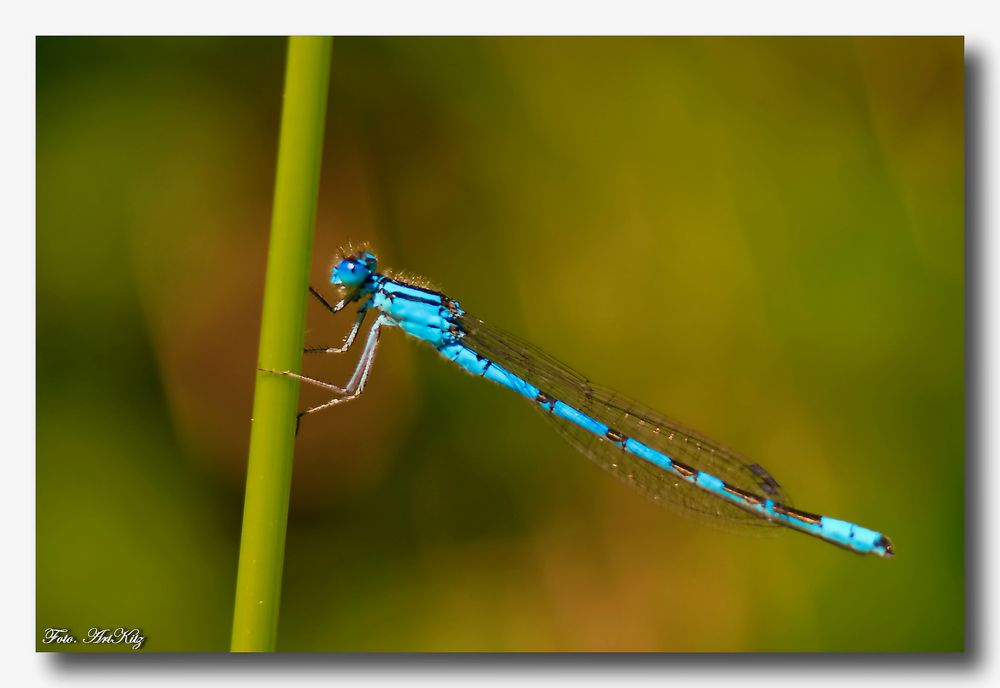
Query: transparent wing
{"points": [[634, 420]]}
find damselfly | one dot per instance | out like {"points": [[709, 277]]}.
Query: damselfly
{"points": [[656, 456]]}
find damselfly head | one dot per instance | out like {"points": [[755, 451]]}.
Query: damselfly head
{"points": [[353, 270]]}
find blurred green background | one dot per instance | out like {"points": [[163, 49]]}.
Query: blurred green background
{"points": [[760, 237]]}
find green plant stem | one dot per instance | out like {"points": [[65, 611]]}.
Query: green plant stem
{"points": [[272, 436]]}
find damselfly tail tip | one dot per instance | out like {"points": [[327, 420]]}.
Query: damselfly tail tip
{"points": [[885, 547]]}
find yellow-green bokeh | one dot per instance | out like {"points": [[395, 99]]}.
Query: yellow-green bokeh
{"points": [[761, 237]]}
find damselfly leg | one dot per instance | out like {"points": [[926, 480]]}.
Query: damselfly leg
{"points": [[356, 385]]}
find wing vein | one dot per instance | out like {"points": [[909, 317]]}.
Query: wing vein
{"points": [[633, 420]]}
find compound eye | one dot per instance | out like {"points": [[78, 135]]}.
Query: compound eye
{"points": [[349, 272]]}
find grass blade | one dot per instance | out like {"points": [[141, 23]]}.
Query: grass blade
{"points": [[272, 436]]}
